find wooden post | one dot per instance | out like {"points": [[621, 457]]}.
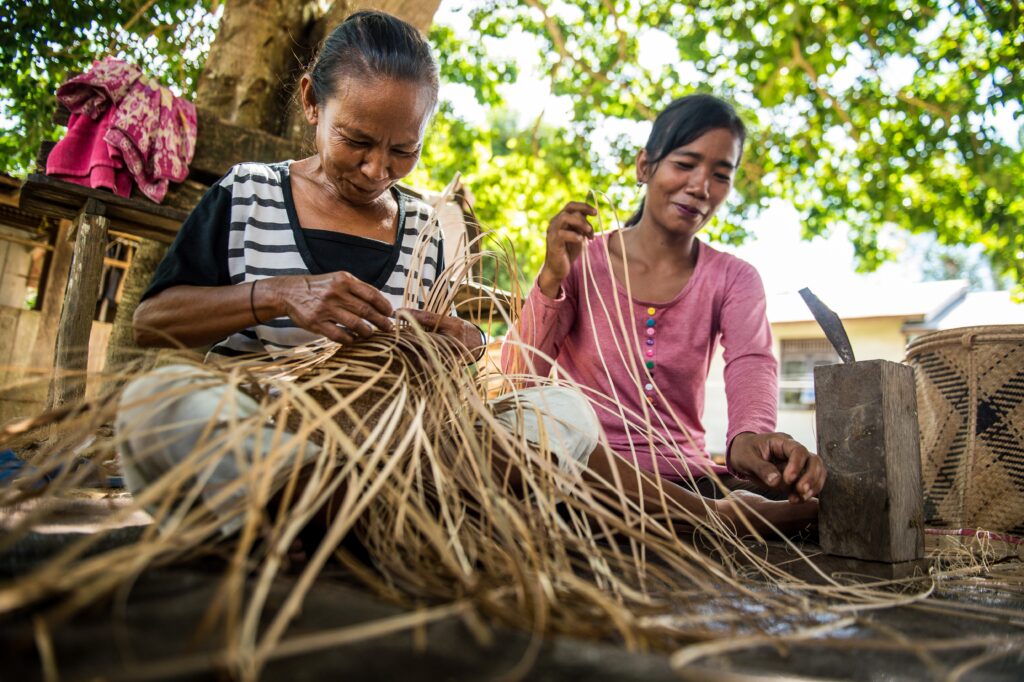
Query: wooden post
{"points": [[871, 507], [71, 357]]}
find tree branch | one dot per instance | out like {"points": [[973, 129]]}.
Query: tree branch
{"points": [[609, 5], [138, 14], [930, 107], [558, 40], [801, 61]]}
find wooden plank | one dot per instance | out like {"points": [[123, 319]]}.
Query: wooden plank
{"points": [[72, 353], [53, 297], [8, 340], [19, 345], [871, 507], [12, 216], [141, 217], [15, 261], [185, 196], [220, 145]]}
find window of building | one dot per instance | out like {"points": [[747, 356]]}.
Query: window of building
{"points": [[799, 357]]}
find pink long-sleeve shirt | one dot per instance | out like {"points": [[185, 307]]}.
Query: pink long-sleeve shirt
{"points": [[603, 342]]}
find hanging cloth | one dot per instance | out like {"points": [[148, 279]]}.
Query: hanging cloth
{"points": [[144, 131]]}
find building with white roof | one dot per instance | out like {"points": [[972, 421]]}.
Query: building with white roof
{"points": [[879, 319]]}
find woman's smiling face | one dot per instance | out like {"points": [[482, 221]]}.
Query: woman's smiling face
{"points": [[686, 187], [369, 134]]}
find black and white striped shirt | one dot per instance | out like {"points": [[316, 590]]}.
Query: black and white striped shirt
{"points": [[246, 229]]}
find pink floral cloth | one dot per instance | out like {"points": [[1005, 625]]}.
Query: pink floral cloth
{"points": [[141, 125]]}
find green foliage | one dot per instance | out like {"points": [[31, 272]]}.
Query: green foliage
{"points": [[42, 41], [868, 115]]}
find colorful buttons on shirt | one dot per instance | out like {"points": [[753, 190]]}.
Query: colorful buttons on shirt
{"points": [[649, 352]]}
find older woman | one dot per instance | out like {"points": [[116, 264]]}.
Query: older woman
{"points": [[279, 255]]}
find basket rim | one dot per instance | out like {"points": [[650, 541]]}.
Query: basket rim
{"points": [[969, 336]]}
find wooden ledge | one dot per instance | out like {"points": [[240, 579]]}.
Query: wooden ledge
{"points": [[141, 217]]}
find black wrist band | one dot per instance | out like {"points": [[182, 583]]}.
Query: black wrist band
{"points": [[483, 344], [252, 301]]}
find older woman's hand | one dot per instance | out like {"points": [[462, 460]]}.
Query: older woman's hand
{"points": [[337, 305], [762, 456], [464, 333]]}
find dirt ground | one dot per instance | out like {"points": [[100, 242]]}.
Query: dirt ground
{"points": [[149, 632]]}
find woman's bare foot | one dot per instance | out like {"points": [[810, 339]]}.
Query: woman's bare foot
{"points": [[786, 517]]}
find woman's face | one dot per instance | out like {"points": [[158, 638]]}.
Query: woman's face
{"points": [[369, 133], [686, 187]]}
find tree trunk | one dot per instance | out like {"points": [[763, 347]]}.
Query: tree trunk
{"points": [[121, 347], [243, 81], [419, 13]]}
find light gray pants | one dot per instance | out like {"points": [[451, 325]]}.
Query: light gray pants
{"points": [[184, 412]]}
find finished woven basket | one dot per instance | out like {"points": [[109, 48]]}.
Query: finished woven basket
{"points": [[970, 401]]}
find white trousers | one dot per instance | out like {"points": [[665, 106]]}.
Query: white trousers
{"points": [[194, 405]]}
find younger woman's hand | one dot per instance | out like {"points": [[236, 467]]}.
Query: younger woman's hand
{"points": [[568, 232], [464, 333], [779, 462]]}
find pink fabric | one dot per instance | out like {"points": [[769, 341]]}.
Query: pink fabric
{"points": [[723, 301], [155, 134], [103, 86], [83, 158], [148, 131]]}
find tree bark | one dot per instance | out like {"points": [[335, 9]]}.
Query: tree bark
{"points": [[121, 347], [243, 81], [419, 13]]}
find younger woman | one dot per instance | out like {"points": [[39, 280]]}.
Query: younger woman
{"points": [[639, 318]]}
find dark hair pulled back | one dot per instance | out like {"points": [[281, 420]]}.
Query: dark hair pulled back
{"points": [[370, 44], [682, 122]]}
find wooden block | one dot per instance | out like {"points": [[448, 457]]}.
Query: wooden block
{"points": [[871, 506], [220, 145]]}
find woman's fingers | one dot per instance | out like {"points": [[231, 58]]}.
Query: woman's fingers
{"points": [[368, 303], [579, 207], [804, 473], [764, 455], [338, 306], [424, 318], [467, 334], [572, 223], [333, 332]]}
